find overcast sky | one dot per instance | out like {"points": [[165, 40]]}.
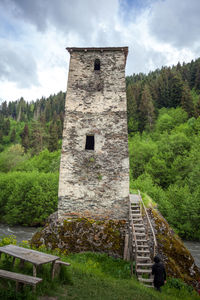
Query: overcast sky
{"points": [[35, 33]]}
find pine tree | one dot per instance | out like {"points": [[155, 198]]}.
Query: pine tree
{"points": [[146, 109], [197, 108], [13, 135], [37, 138], [186, 100], [131, 110], [197, 78], [176, 90], [25, 138], [53, 139], [1, 136], [6, 127]]}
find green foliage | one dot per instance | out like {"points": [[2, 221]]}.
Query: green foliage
{"points": [[179, 284], [45, 161], [11, 157], [7, 240], [27, 198], [165, 164]]}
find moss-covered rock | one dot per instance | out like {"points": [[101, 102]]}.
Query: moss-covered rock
{"points": [[83, 234], [178, 260]]}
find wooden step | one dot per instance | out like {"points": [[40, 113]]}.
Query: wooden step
{"points": [[144, 265], [143, 271], [140, 234], [143, 251], [142, 241], [143, 258], [143, 246], [139, 229], [145, 279], [135, 208]]}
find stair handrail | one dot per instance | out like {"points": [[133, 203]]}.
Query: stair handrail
{"points": [[134, 236], [151, 227]]}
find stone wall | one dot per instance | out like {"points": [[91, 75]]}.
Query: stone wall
{"points": [[95, 183]]}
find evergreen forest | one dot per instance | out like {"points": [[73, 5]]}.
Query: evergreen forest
{"points": [[164, 140]]}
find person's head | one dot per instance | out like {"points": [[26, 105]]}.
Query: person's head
{"points": [[156, 259]]}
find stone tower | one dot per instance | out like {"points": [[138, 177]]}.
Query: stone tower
{"points": [[94, 169]]}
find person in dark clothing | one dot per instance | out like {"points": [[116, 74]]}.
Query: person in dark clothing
{"points": [[158, 270]]}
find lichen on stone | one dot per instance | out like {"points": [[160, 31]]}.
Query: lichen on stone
{"points": [[83, 234]]}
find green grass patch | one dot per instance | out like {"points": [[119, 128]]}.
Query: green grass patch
{"points": [[90, 276]]}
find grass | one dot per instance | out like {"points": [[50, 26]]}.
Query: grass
{"points": [[91, 276]]}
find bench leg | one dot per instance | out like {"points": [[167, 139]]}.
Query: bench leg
{"points": [[53, 269], [13, 261], [34, 271], [57, 269], [34, 288], [21, 264], [19, 286]]}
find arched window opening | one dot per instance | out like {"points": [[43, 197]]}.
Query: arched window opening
{"points": [[97, 64]]}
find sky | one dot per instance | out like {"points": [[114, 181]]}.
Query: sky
{"points": [[34, 34]]}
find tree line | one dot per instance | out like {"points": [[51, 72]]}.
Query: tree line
{"points": [[35, 125], [169, 87]]}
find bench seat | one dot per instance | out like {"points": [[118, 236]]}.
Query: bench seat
{"points": [[25, 279]]}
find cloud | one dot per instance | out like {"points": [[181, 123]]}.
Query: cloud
{"points": [[18, 65], [68, 16], [34, 34], [176, 22]]}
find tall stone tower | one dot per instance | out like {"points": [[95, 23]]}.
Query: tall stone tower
{"points": [[94, 169]]}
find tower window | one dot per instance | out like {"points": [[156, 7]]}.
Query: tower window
{"points": [[97, 64], [89, 145]]}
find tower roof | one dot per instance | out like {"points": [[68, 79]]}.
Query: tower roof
{"points": [[101, 49]]}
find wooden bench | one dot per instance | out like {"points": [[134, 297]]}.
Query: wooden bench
{"points": [[20, 278], [56, 268], [59, 262]]}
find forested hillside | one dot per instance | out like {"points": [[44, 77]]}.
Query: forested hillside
{"points": [[164, 140]]}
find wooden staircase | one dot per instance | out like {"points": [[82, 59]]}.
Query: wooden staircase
{"points": [[140, 241]]}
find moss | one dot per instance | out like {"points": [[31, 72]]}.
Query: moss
{"points": [[179, 262], [84, 234]]}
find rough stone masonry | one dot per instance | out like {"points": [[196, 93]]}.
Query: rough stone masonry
{"points": [[94, 169]]}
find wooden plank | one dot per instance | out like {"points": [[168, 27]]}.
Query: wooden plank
{"points": [[32, 256], [20, 277], [62, 263]]}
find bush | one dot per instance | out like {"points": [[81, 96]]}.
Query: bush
{"points": [[45, 162], [27, 198]]}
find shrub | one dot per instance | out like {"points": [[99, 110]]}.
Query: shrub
{"points": [[28, 198]]}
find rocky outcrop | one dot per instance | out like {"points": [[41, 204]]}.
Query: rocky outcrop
{"points": [[82, 234], [107, 236], [178, 260]]}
